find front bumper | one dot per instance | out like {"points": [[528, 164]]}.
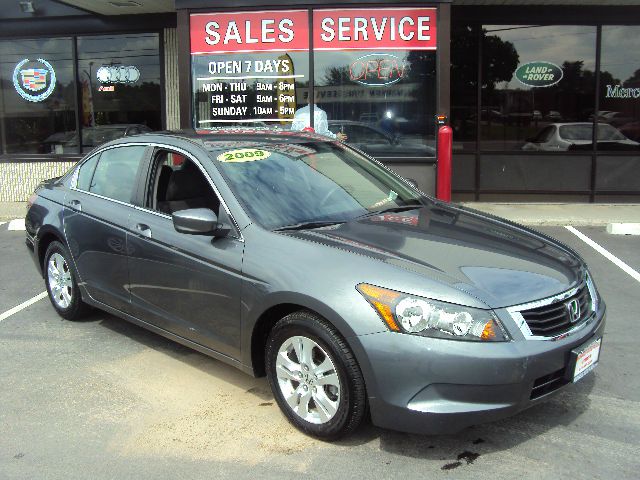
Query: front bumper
{"points": [[431, 386]]}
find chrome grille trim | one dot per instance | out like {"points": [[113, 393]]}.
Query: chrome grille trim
{"points": [[516, 313]]}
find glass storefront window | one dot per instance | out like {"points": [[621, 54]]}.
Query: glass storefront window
{"points": [[534, 77], [37, 95], [464, 87], [620, 86], [119, 79], [383, 101], [261, 89]]}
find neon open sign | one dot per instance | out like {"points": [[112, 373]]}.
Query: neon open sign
{"points": [[378, 70]]}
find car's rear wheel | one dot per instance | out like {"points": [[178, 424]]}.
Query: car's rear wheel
{"points": [[314, 376], [61, 282]]}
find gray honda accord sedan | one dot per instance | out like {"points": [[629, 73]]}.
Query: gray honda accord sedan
{"points": [[297, 257]]}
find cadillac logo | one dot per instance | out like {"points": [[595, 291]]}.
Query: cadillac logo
{"points": [[573, 309], [34, 80]]}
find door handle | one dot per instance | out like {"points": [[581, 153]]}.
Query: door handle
{"points": [[76, 205], [143, 230]]}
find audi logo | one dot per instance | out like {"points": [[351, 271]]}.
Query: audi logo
{"points": [[118, 74]]}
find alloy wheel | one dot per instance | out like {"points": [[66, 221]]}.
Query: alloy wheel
{"points": [[60, 281], [308, 379]]}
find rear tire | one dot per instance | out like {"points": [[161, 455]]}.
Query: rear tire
{"points": [[314, 376], [62, 284]]}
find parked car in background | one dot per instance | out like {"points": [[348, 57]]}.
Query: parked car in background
{"points": [[378, 143], [296, 257], [63, 142], [565, 136]]}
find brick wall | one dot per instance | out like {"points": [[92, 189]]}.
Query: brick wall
{"points": [[19, 179]]}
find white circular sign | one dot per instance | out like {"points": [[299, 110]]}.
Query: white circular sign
{"points": [[34, 82]]}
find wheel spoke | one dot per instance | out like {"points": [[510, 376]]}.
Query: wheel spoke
{"points": [[324, 368], [286, 373], [52, 270], [293, 399], [66, 297], [303, 408], [326, 407], [330, 379]]}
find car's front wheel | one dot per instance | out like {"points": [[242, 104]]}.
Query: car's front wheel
{"points": [[314, 376], [61, 282]]}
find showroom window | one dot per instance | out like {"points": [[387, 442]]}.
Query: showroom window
{"points": [[117, 92], [37, 95], [120, 86], [532, 77]]}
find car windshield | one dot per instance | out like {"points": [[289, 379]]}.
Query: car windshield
{"points": [[286, 184], [583, 132]]}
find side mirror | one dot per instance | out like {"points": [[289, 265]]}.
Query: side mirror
{"points": [[195, 221]]}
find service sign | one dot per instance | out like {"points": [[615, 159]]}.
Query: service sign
{"points": [[272, 31], [379, 29]]}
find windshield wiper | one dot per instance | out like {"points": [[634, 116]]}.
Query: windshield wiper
{"points": [[307, 225], [399, 208]]}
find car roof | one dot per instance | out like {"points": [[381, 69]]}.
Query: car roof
{"points": [[208, 138]]}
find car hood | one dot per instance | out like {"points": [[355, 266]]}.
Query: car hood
{"points": [[496, 262]]}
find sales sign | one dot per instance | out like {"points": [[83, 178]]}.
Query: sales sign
{"points": [[381, 29], [272, 31]]}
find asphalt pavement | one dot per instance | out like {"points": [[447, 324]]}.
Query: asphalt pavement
{"points": [[104, 399]]}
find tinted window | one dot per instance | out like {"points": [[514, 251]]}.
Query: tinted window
{"points": [[392, 90], [86, 173], [120, 85], [545, 135], [115, 175], [534, 76], [620, 84], [38, 97]]}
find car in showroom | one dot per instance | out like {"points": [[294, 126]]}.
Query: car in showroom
{"points": [[294, 256], [560, 137]]}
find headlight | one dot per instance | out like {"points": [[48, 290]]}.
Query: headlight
{"points": [[421, 316], [593, 293]]}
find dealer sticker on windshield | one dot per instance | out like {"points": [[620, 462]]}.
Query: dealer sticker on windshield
{"points": [[243, 155], [587, 359]]}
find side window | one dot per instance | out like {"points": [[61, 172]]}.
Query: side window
{"points": [[86, 173], [177, 183], [115, 175]]}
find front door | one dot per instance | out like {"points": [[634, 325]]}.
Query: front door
{"points": [[186, 284]]}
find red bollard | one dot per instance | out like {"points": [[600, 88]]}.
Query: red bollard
{"points": [[443, 182]]}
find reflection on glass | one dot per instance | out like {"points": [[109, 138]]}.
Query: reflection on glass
{"points": [[620, 81], [258, 89], [464, 86], [120, 87], [534, 77], [37, 95], [383, 101]]}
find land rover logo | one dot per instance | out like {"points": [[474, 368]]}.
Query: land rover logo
{"points": [[573, 309], [34, 80], [539, 74]]}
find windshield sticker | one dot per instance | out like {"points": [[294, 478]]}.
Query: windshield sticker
{"points": [[243, 155]]}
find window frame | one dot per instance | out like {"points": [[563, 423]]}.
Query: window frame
{"points": [[134, 200]]}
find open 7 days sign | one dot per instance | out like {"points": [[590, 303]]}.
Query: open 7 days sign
{"points": [[344, 29]]}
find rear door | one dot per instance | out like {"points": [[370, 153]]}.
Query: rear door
{"points": [[189, 285], [96, 214]]}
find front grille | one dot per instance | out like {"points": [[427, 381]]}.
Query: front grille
{"points": [[554, 319], [548, 384]]}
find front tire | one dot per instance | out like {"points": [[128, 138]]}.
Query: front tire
{"points": [[314, 376], [62, 284]]}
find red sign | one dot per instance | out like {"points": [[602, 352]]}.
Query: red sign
{"points": [[271, 31], [379, 29]]}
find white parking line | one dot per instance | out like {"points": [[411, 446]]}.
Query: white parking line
{"points": [[610, 256], [17, 225], [22, 306]]}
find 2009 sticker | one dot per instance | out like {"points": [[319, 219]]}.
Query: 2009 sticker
{"points": [[243, 155]]}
